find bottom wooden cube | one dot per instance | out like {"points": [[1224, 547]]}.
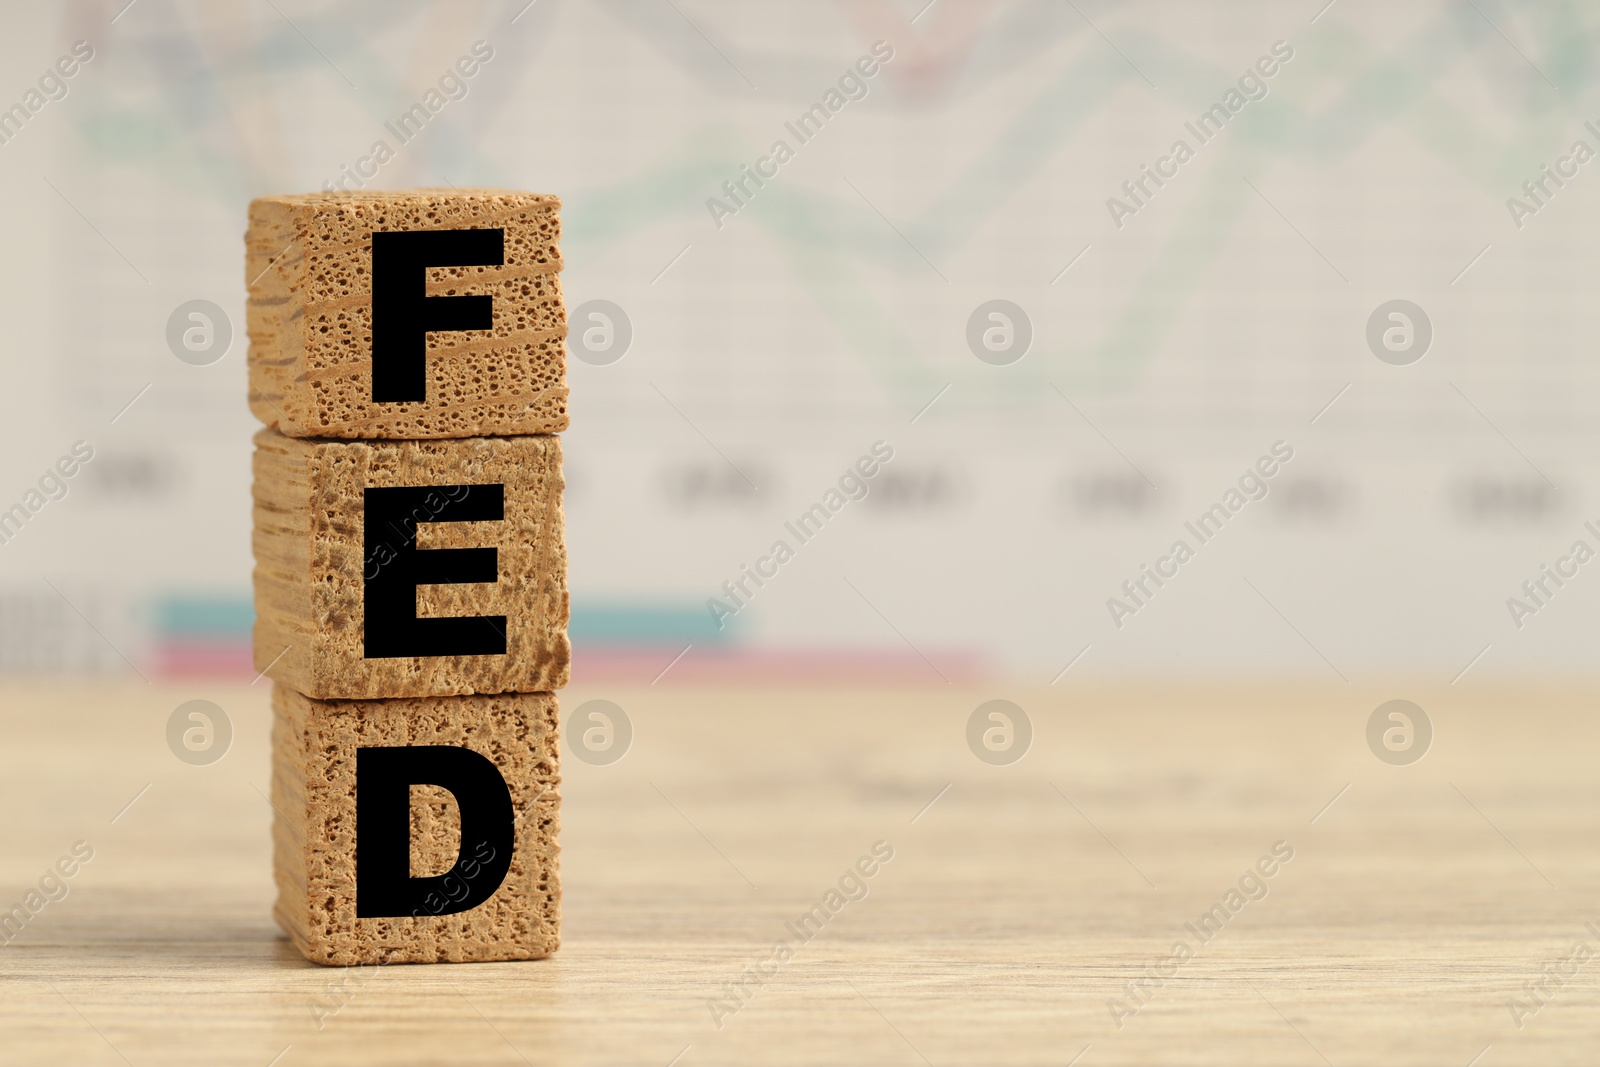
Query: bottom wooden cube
{"points": [[446, 852]]}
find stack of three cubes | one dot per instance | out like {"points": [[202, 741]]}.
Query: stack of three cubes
{"points": [[407, 355]]}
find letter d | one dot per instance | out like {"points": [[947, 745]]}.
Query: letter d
{"points": [[384, 777]]}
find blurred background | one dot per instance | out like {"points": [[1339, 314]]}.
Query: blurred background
{"points": [[752, 344]]}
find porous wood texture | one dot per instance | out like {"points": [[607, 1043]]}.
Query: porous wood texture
{"points": [[311, 564], [308, 266], [314, 746]]}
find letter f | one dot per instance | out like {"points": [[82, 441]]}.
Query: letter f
{"points": [[403, 314]]}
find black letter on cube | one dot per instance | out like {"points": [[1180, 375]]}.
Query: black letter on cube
{"points": [[384, 777], [391, 627], [403, 313]]}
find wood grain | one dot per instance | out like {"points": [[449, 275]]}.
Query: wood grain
{"points": [[1015, 906]]}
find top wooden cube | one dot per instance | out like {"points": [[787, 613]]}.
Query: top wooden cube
{"points": [[415, 314]]}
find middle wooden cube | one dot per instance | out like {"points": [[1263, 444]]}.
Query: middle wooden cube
{"points": [[410, 568]]}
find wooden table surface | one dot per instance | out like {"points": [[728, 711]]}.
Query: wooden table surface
{"points": [[1414, 913]]}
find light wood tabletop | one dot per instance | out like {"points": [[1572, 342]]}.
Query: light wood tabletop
{"points": [[1030, 913]]}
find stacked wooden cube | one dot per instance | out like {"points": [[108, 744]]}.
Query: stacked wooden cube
{"points": [[407, 356]]}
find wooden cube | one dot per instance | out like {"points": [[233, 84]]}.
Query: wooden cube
{"points": [[410, 568], [416, 831], [414, 314]]}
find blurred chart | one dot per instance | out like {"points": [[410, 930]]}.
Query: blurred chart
{"points": [[1068, 277]]}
